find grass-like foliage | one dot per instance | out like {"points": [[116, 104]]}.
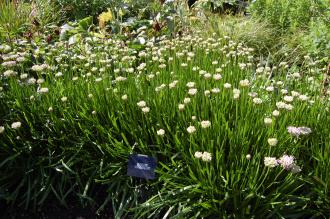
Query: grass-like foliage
{"points": [[233, 137], [289, 15], [13, 18]]}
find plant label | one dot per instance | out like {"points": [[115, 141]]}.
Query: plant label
{"points": [[141, 166]]}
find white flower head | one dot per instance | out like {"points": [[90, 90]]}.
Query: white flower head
{"points": [[23, 76], [268, 121], [207, 157], [191, 129], [161, 132], [288, 107], [253, 94], [284, 91], [43, 90], [120, 78], [217, 77], [218, 70], [270, 88], [295, 93], [192, 91], [288, 98], [207, 76], [257, 100], [236, 91], [198, 154], [270, 162], [227, 85], [303, 97], [141, 103], [59, 74], [215, 90], [145, 109], [124, 97], [281, 105], [205, 124], [272, 141], [9, 73], [279, 83], [276, 113], [98, 79], [172, 84], [186, 100], [40, 81], [31, 81], [244, 83], [190, 84], [16, 125]]}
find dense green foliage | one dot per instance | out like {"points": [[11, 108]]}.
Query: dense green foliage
{"points": [[80, 9], [289, 15], [13, 19], [79, 126], [307, 22], [235, 109]]}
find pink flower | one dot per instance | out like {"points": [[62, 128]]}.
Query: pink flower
{"points": [[286, 161], [297, 131]]}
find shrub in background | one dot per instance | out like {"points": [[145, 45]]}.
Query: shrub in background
{"points": [[78, 9], [280, 30], [221, 6], [14, 17], [255, 33], [317, 40], [21, 18], [47, 12], [288, 15]]}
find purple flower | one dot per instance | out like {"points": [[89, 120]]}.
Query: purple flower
{"points": [[297, 131], [286, 161]]}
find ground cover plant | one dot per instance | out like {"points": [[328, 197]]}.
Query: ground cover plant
{"points": [[235, 134], [223, 128]]}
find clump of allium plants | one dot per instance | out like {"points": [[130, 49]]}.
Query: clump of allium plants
{"points": [[233, 136]]}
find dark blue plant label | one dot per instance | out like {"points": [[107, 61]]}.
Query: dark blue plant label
{"points": [[141, 166]]}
